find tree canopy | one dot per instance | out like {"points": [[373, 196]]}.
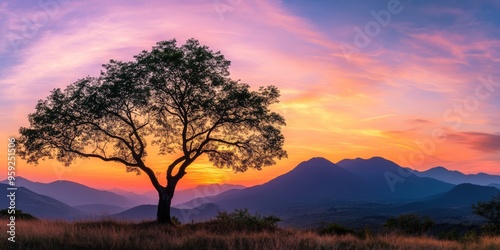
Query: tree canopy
{"points": [[179, 99], [489, 210]]}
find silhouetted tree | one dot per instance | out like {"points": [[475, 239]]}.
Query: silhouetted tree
{"points": [[179, 99], [490, 211]]}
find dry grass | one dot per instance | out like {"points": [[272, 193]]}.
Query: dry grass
{"points": [[44, 234]]}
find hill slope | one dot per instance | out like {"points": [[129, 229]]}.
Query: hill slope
{"points": [[148, 212], [314, 181], [456, 177], [393, 181], [40, 206], [75, 194], [183, 196], [455, 203]]}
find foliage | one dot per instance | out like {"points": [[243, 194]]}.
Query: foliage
{"points": [[242, 220], [181, 95], [490, 211], [19, 214], [409, 224], [449, 235], [335, 229], [489, 229], [470, 236], [176, 221], [179, 99]]}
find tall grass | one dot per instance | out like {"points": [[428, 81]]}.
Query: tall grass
{"points": [[43, 234]]}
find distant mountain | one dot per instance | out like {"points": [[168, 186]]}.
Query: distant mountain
{"points": [[457, 201], [201, 191], [38, 205], [75, 194], [138, 198], [99, 209], [392, 180], [464, 195], [139, 213], [456, 177], [148, 212], [314, 181], [319, 181]]}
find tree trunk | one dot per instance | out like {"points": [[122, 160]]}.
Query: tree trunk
{"points": [[163, 213]]}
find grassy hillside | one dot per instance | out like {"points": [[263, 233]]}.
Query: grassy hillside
{"points": [[43, 234]]}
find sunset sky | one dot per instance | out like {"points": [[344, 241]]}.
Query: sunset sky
{"points": [[416, 82]]}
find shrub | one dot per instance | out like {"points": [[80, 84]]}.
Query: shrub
{"points": [[409, 224], [335, 229], [176, 221], [491, 212], [470, 237], [450, 235], [19, 214], [489, 229], [242, 220]]}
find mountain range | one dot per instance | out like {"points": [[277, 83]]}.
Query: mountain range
{"points": [[40, 206], [321, 181], [75, 194], [73, 201], [456, 177], [316, 180], [200, 191], [391, 180], [352, 190], [148, 212]]}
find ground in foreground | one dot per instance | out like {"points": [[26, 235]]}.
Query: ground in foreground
{"points": [[42, 234]]}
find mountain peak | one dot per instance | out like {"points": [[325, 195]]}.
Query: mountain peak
{"points": [[315, 163], [440, 169], [377, 158], [318, 160], [457, 177], [373, 162], [315, 168]]}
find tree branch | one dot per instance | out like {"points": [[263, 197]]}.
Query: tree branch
{"points": [[151, 176], [117, 159], [172, 166], [106, 133]]}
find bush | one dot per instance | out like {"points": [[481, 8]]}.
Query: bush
{"points": [[489, 229], [450, 235], [335, 229], [470, 237], [19, 214], [242, 220], [491, 212], [176, 221], [409, 224]]}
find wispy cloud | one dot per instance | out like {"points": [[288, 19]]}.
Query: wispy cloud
{"points": [[379, 102], [376, 117], [483, 142]]}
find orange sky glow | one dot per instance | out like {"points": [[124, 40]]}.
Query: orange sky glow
{"points": [[424, 91]]}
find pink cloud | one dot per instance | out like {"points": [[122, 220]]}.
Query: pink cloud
{"points": [[323, 93]]}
